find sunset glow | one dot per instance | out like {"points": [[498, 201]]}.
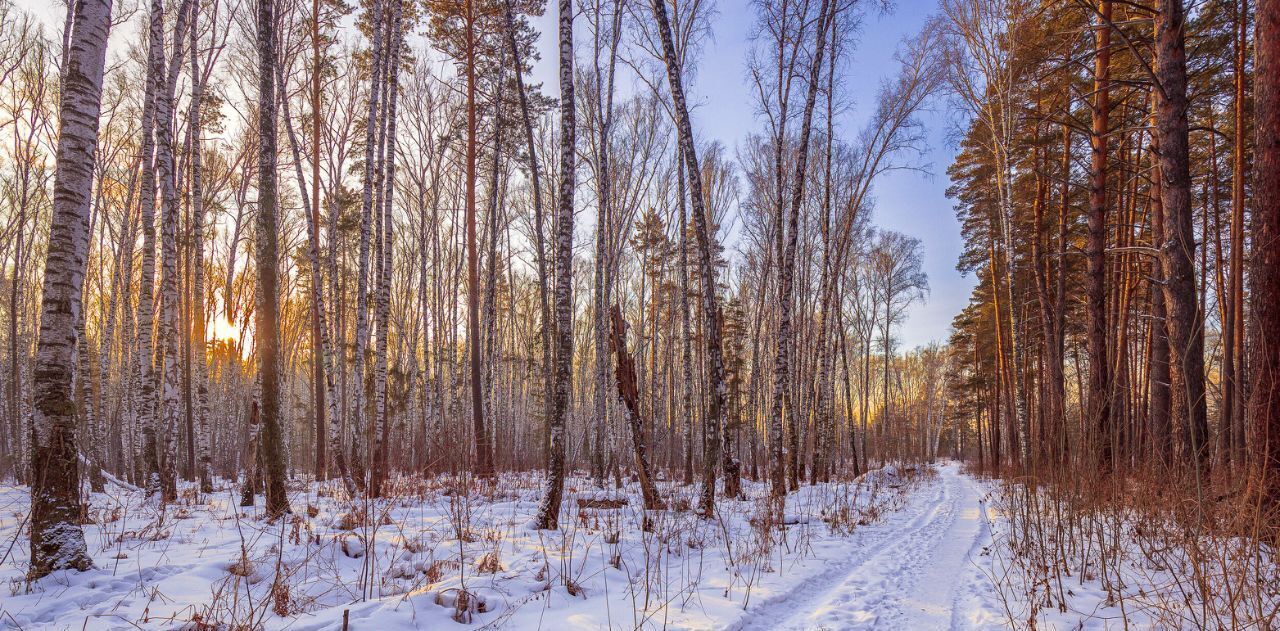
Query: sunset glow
{"points": [[223, 329]]}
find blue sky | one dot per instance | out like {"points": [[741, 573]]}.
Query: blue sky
{"points": [[910, 202]]}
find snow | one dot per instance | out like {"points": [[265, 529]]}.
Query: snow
{"points": [[913, 571], [1157, 572], [900, 548]]}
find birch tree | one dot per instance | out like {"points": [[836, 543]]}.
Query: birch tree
{"points": [[706, 246], [787, 261], [170, 331], [57, 540], [198, 332], [548, 517], [367, 210], [144, 387]]}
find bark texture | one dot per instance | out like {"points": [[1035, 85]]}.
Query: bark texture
{"points": [[549, 512], [267, 329], [1185, 320], [57, 540], [629, 393], [1266, 252], [1099, 399], [706, 270]]}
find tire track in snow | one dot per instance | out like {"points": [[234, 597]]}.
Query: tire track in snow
{"points": [[907, 573]]}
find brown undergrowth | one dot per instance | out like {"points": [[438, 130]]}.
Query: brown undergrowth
{"points": [[1142, 549]]}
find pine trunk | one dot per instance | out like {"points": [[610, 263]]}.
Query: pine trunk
{"points": [[1233, 325], [267, 325], [1099, 398], [1265, 364], [1185, 321], [484, 451], [1158, 359]]}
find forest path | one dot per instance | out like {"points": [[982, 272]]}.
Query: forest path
{"points": [[918, 569]]}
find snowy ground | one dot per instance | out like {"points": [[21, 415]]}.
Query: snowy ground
{"points": [[894, 550], [1092, 568], [916, 570]]}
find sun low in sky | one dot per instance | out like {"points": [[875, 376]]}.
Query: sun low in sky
{"points": [[223, 329], [220, 328]]}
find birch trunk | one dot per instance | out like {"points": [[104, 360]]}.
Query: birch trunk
{"points": [[121, 282], [549, 512], [384, 290], [321, 312], [707, 272], [686, 325], [144, 390], [170, 330], [366, 226], [57, 540], [313, 208], [489, 313], [604, 231], [544, 301], [785, 341], [198, 335]]}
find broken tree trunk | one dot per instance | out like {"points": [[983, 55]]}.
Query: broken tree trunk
{"points": [[626, 379]]}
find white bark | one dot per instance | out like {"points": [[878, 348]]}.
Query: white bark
{"points": [[170, 331], [198, 335], [366, 226], [549, 512], [57, 540], [143, 392]]}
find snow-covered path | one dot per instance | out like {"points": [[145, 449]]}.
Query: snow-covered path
{"points": [[914, 570]]}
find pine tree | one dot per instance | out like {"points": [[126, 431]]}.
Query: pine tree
{"points": [[1100, 393], [267, 324], [1185, 321], [1266, 253]]}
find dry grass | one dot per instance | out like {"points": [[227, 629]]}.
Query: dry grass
{"points": [[1162, 550]]}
